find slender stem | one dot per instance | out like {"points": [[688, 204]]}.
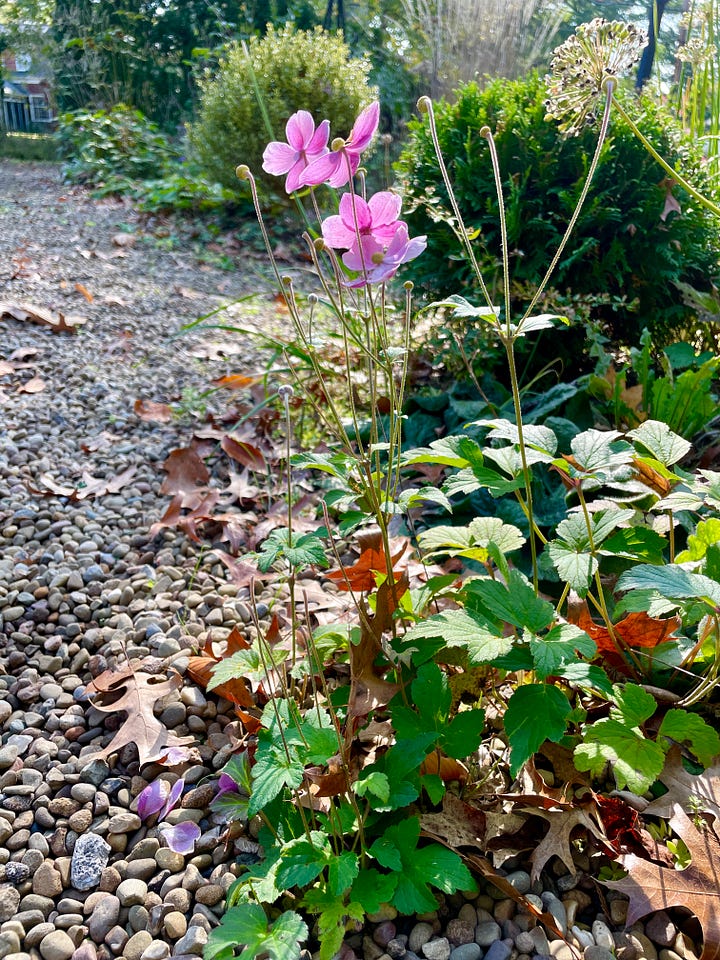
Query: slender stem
{"points": [[677, 177], [462, 229], [583, 195], [487, 133]]}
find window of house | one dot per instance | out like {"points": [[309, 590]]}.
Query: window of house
{"points": [[39, 110]]}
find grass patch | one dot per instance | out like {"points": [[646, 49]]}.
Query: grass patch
{"points": [[28, 146]]}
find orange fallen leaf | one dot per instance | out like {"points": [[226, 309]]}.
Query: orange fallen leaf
{"points": [[362, 575], [235, 381], [636, 630], [81, 288], [444, 767]]}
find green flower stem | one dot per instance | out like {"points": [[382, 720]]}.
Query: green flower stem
{"points": [[583, 196], [677, 177], [487, 133], [426, 104]]}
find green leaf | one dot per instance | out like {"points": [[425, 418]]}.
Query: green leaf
{"points": [[671, 581], [535, 436], [586, 675], [244, 664], [636, 543], [375, 783], [682, 727], [540, 322], [372, 888], [417, 498], [660, 441], [431, 693], [706, 535], [386, 853], [454, 451], [271, 774], [434, 787], [308, 549], [574, 568], [558, 647], [633, 705], [302, 861], [461, 628], [599, 451], [514, 603], [336, 464], [342, 870], [476, 478], [535, 713], [635, 761], [333, 915], [246, 925], [462, 737], [463, 308], [487, 530]]}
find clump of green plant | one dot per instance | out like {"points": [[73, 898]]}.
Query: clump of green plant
{"points": [[355, 731], [248, 100], [113, 148], [637, 237]]}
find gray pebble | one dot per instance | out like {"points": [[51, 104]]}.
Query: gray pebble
{"points": [[419, 935], [466, 951], [487, 932], [90, 857], [437, 949], [500, 950]]}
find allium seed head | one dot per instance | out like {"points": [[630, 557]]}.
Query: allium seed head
{"points": [[597, 54]]}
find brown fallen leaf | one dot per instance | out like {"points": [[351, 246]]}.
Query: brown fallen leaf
{"points": [[185, 472], [89, 486], [124, 239], [701, 791], [33, 385], [556, 842], [361, 576], [245, 453], [150, 410], [25, 312], [136, 692], [6, 367], [235, 381], [652, 887]]}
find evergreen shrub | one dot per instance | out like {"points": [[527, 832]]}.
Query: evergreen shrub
{"points": [[289, 70], [637, 238]]}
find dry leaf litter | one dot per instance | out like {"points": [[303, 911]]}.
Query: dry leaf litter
{"points": [[90, 307]]}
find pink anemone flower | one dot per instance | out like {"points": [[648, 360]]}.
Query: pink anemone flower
{"points": [[305, 145], [379, 262], [376, 218], [338, 167]]}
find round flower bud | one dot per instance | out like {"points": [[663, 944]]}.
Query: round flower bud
{"points": [[285, 392], [424, 104], [337, 144], [242, 172]]}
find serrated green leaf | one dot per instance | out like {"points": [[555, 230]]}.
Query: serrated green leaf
{"points": [[431, 865], [375, 783], [454, 451], [476, 478], [576, 569], [303, 860], [586, 675], [308, 549], [272, 773], [246, 925], [371, 889], [684, 727], [660, 441], [461, 628], [386, 852], [541, 322], [244, 664], [635, 761], [636, 543], [463, 735], [463, 308], [431, 693], [671, 581], [633, 705], [336, 464], [535, 713], [537, 437], [559, 646], [602, 451], [434, 787], [487, 530], [342, 870], [333, 915], [515, 603], [418, 497]]}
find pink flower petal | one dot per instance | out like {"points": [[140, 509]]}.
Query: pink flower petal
{"points": [[292, 181], [152, 798], [336, 234], [299, 130], [278, 157], [182, 837], [361, 211], [384, 208], [364, 129], [322, 169], [318, 143], [173, 797], [353, 259]]}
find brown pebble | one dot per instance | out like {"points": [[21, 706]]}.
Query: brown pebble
{"points": [[210, 895], [47, 881]]}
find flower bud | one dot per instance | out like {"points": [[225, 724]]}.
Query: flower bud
{"points": [[409, 285], [242, 172], [285, 392], [319, 244], [485, 132], [424, 104], [337, 144]]}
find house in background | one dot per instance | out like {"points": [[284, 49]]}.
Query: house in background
{"points": [[27, 98]]}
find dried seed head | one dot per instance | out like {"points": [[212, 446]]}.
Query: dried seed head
{"points": [[582, 67]]}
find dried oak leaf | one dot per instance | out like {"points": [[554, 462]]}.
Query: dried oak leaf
{"points": [[652, 887], [136, 692], [185, 472], [245, 453], [361, 576], [556, 842], [701, 791], [25, 312]]}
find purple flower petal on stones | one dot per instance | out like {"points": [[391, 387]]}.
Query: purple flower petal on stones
{"points": [[173, 797], [152, 798], [182, 837], [226, 784]]}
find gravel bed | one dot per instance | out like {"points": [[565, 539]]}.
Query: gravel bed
{"points": [[83, 587]]}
